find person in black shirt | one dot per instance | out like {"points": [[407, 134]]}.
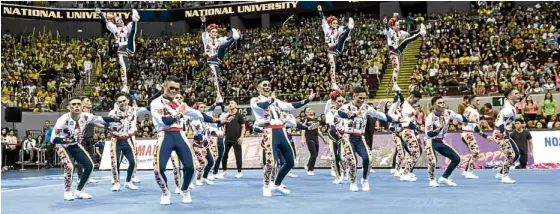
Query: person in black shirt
{"points": [[523, 139], [235, 132], [311, 137]]}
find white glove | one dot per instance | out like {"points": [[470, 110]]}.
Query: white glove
{"points": [[235, 33]]}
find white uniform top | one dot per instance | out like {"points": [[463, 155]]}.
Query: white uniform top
{"points": [[433, 123], [126, 126], [408, 114], [161, 107], [331, 35], [211, 46], [394, 37], [213, 127], [473, 116], [357, 124], [395, 114], [66, 127], [272, 114], [332, 117], [506, 116], [120, 33]]}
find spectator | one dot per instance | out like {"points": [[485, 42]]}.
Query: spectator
{"points": [[461, 108], [528, 109], [30, 148], [50, 148], [549, 106], [10, 144], [490, 116]]}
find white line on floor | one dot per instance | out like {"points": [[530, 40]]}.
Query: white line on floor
{"points": [[53, 185]]}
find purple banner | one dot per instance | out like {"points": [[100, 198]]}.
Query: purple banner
{"points": [[383, 149]]}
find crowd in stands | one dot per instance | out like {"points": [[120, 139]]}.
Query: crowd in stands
{"points": [[40, 69], [495, 47]]}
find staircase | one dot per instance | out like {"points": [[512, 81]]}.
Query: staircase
{"points": [[409, 60], [93, 78]]}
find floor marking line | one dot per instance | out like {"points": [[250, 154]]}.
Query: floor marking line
{"points": [[53, 185]]}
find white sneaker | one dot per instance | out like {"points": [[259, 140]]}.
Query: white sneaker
{"points": [[224, 174], [396, 87], [93, 181], [397, 173], [82, 195], [433, 183], [131, 186], [422, 30], [407, 177], [211, 177], [446, 181], [165, 199], [337, 181], [371, 171], [178, 191], [392, 171], [354, 187], [283, 186], [235, 33], [208, 181], [116, 187], [470, 175], [310, 173], [499, 175], [239, 175], [186, 197], [333, 173], [507, 180], [365, 185], [267, 192], [199, 183], [68, 196], [282, 190], [136, 180], [350, 23], [219, 176], [292, 175], [135, 16], [124, 89]]}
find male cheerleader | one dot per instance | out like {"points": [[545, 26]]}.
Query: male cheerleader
{"points": [[125, 39], [68, 132], [217, 137], [503, 125], [471, 113], [333, 120], [437, 124], [396, 47], [335, 37], [122, 141], [267, 155], [205, 149], [268, 110], [395, 127], [354, 128], [215, 49], [174, 159], [408, 134], [166, 115]]}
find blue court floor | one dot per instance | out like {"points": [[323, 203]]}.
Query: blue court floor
{"points": [[536, 191]]}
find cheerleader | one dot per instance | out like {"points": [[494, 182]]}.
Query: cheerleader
{"points": [[125, 39], [333, 120], [215, 49], [472, 114], [396, 46], [335, 37]]}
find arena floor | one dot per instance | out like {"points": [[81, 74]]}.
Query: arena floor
{"points": [[40, 191]]}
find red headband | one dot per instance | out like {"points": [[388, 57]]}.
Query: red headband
{"points": [[335, 93], [212, 26], [331, 19]]}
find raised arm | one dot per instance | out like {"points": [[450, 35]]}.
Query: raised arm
{"points": [[110, 26]]}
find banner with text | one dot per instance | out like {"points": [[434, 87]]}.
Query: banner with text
{"points": [[147, 15], [546, 145], [383, 149]]}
